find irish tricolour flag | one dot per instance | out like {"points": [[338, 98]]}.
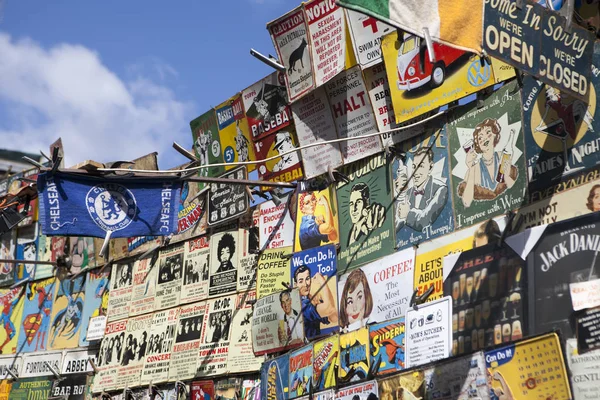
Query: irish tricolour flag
{"points": [[457, 23]]}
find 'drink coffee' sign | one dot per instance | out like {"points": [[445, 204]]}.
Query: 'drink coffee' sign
{"points": [[534, 40]]}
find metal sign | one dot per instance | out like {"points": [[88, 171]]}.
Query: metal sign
{"points": [[227, 201]]}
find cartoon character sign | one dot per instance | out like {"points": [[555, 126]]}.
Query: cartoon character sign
{"points": [[287, 167], [206, 143], [387, 346], [12, 301], [67, 313], [274, 378], [488, 171], [97, 285], [354, 355], [36, 316], [301, 371], [234, 131], [27, 249]]}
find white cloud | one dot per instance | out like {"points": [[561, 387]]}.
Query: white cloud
{"points": [[66, 91]]}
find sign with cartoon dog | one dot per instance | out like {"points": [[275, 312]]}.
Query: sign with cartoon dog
{"points": [[488, 168]]}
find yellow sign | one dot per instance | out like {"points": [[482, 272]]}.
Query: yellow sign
{"points": [[234, 132], [12, 302], [316, 220]]}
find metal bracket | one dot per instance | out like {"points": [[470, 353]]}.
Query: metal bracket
{"points": [[415, 299], [271, 62]]}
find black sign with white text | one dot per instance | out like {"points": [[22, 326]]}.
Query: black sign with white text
{"points": [[227, 201]]}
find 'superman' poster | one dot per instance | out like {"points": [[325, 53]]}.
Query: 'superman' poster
{"points": [[36, 316]]}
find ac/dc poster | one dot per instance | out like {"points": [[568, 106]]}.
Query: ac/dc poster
{"points": [[301, 371], [168, 282], [121, 289], [266, 105], [241, 356], [158, 350], [224, 259], [566, 253], [97, 287], [366, 217], [286, 167], [184, 355], [207, 145], [66, 314], [387, 346], [216, 336], [326, 356], [12, 301], [422, 192], [354, 355], [195, 270], [31, 388], [559, 125], [460, 379], [362, 391], [314, 273], [274, 378], [203, 390], [7, 252], [82, 253], [487, 285], [35, 326], [135, 347], [72, 387], [487, 160], [110, 356], [144, 286]]}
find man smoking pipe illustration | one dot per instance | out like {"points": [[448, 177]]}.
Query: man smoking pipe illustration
{"points": [[364, 216]]}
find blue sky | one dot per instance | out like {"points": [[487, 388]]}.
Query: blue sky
{"points": [[119, 79]]}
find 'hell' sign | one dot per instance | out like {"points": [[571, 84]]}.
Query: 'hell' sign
{"points": [[534, 39]]}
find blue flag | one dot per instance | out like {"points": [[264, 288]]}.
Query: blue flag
{"points": [[72, 205]]}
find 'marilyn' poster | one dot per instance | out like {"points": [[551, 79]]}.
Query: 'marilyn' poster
{"points": [[366, 218], [565, 254]]}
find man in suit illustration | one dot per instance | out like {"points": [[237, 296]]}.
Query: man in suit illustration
{"points": [[419, 206]]}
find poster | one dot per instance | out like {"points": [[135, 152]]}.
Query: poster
{"points": [[583, 368], [203, 390], [184, 355], [271, 226], [327, 29], [110, 356], [277, 322], [354, 355], [362, 391], [559, 124], [7, 252], [378, 88], [367, 33], [134, 347], [241, 357], [417, 86], [224, 260], [353, 115], [428, 332], [227, 201], [266, 105], [587, 329], [301, 371], [248, 235], [387, 344], [168, 282], [489, 302], [27, 249], [192, 220], [216, 336], [460, 379], [487, 161], [290, 38], [82, 253], [157, 358], [406, 385], [12, 301], [144, 286], [326, 356], [314, 273], [565, 254], [422, 192], [376, 292], [286, 167], [67, 310], [44, 249], [41, 364], [72, 387], [510, 374], [273, 271], [97, 286], [234, 132], [195, 273], [121, 289], [317, 216], [314, 123], [35, 326], [274, 378], [207, 144], [30, 388]]}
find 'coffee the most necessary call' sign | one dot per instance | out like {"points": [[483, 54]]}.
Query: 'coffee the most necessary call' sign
{"points": [[534, 40]]}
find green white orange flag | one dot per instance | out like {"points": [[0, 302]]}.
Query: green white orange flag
{"points": [[456, 23]]}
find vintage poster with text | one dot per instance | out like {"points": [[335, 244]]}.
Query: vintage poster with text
{"points": [[31, 388], [97, 285], [35, 326], [160, 343], [207, 144], [287, 164], [274, 378], [401, 386], [143, 293], [8, 243], [301, 371], [234, 132], [134, 349], [224, 261], [280, 232], [121, 289], [191, 218], [241, 357], [387, 346], [363, 391], [65, 325], [195, 273], [170, 271], [326, 356], [273, 271], [379, 92], [367, 33], [249, 239], [214, 348], [72, 387], [184, 356], [110, 356], [583, 368]]}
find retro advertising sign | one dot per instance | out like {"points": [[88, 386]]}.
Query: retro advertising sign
{"points": [[97, 286], [354, 355], [387, 346], [248, 236], [301, 371], [461, 379], [362, 391], [274, 378], [234, 132], [227, 202], [379, 92], [8, 243], [487, 160], [326, 356], [367, 33], [275, 233], [286, 166], [207, 145], [273, 271], [35, 326], [241, 357], [291, 40]]}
